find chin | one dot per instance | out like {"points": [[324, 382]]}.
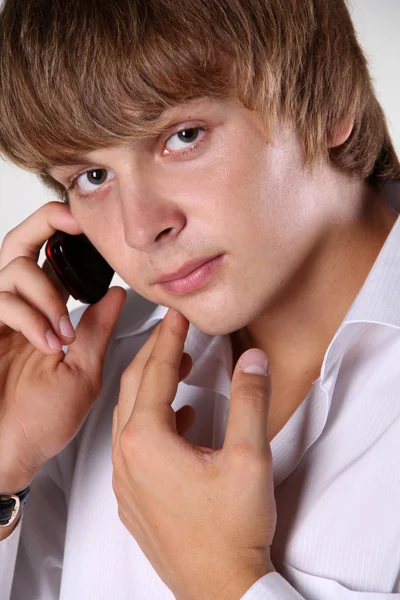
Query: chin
{"points": [[217, 320]]}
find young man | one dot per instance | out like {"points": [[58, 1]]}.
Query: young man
{"points": [[244, 136]]}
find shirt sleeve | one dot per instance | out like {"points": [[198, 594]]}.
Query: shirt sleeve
{"points": [[272, 587], [31, 557], [8, 556]]}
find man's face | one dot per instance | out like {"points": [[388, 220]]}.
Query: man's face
{"points": [[211, 184]]}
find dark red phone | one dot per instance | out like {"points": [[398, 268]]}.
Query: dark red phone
{"points": [[79, 266]]}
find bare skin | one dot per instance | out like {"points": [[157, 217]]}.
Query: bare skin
{"points": [[45, 395], [298, 243], [360, 248], [298, 240]]}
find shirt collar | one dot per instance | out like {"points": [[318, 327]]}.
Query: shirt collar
{"points": [[378, 301]]}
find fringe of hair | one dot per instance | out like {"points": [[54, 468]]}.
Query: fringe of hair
{"points": [[79, 76]]}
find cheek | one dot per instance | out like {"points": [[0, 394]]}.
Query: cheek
{"points": [[248, 189], [269, 215], [100, 226]]}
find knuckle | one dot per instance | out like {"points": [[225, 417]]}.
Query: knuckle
{"points": [[22, 286], [243, 457], [55, 303], [246, 385], [53, 203], [22, 263], [134, 440], [115, 458], [175, 333], [114, 483], [251, 397], [126, 372], [52, 209], [241, 452], [154, 362], [129, 440], [38, 321], [126, 377], [8, 238], [6, 296], [7, 305], [52, 299], [261, 462], [121, 515]]}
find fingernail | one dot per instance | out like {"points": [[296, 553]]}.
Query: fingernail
{"points": [[53, 340], [254, 361], [66, 327]]}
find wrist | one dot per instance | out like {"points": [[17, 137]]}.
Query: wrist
{"points": [[14, 484]]}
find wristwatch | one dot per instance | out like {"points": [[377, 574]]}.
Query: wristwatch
{"points": [[11, 505]]}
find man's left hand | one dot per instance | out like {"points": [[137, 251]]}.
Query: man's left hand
{"points": [[204, 518]]}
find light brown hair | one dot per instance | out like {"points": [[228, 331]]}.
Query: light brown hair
{"points": [[78, 76]]}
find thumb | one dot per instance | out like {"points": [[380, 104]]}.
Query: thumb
{"points": [[94, 332], [249, 403]]}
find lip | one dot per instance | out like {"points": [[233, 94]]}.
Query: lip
{"points": [[187, 268], [195, 279]]}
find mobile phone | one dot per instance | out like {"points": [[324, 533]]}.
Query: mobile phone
{"points": [[79, 265]]}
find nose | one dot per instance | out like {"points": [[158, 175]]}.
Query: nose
{"points": [[149, 217]]}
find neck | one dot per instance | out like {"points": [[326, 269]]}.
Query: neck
{"points": [[297, 328]]}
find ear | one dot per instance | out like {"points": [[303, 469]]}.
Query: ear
{"points": [[341, 132]]}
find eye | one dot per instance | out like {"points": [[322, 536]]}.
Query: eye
{"points": [[90, 180], [182, 139]]}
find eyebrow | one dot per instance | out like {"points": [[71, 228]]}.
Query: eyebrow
{"points": [[159, 124], [74, 159], [84, 159]]}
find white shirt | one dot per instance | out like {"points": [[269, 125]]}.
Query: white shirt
{"points": [[336, 467]]}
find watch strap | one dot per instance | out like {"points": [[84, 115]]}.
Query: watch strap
{"points": [[11, 505]]}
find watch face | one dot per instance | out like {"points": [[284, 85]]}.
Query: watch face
{"points": [[11, 505], [9, 509]]}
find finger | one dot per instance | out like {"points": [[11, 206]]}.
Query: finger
{"points": [[93, 334], [128, 391], [185, 417], [126, 402], [249, 404], [160, 378], [24, 278], [19, 316], [130, 380], [27, 238]]}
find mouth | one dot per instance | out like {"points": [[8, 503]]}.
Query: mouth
{"points": [[192, 276], [186, 269]]}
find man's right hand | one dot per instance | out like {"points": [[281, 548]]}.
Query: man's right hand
{"points": [[45, 395]]}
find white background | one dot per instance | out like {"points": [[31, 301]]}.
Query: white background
{"points": [[377, 23]]}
